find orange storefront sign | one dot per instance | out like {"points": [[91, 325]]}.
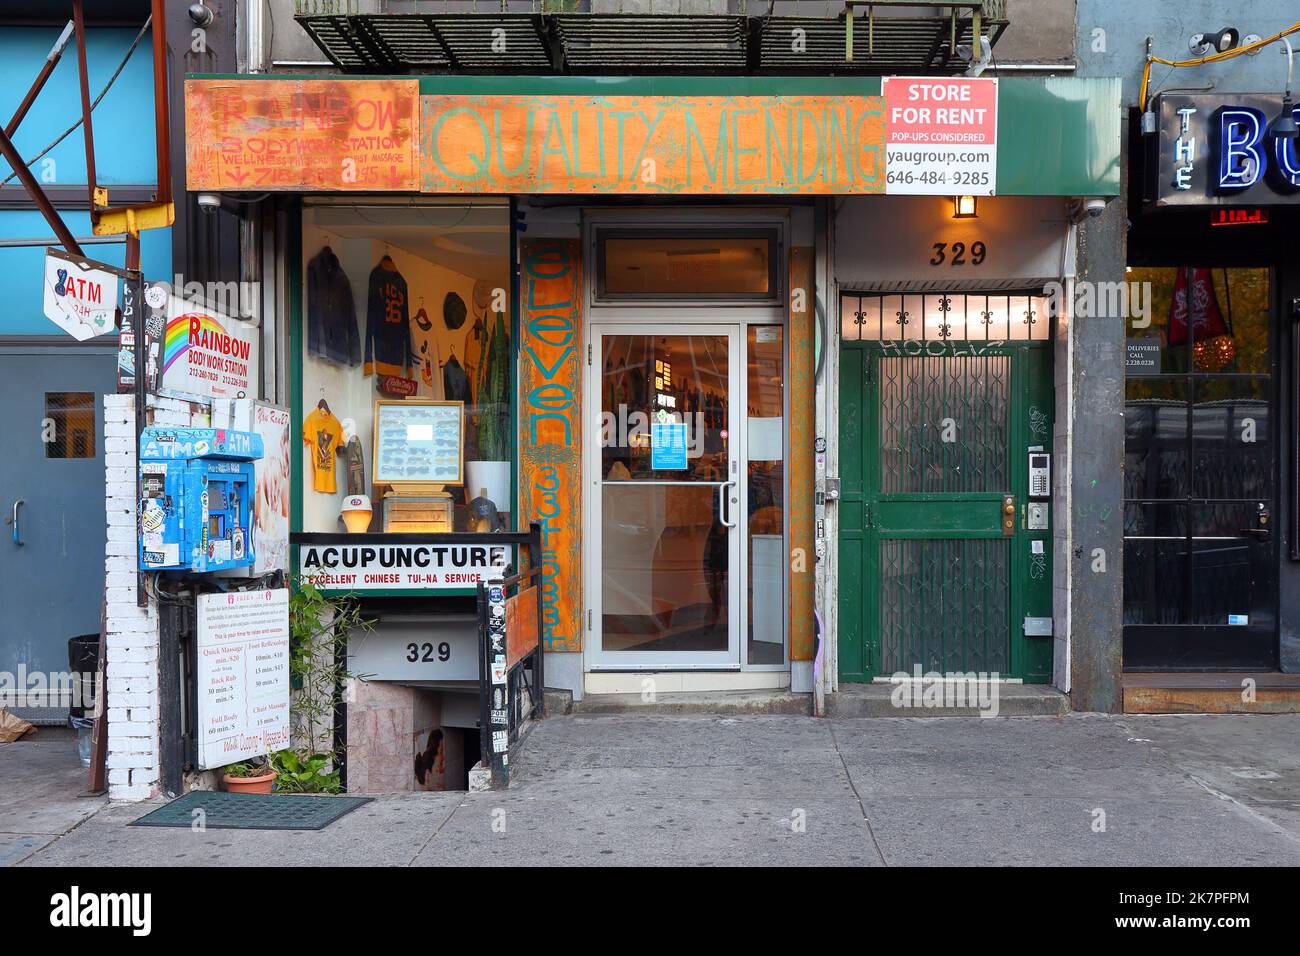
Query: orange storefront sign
{"points": [[309, 135], [675, 145]]}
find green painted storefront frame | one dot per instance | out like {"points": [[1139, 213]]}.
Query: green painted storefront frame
{"points": [[1079, 116], [1057, 136], [294, 273], [858, 608]]}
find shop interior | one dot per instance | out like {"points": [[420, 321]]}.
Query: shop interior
{"points": [[407, 374], [407, 303]]}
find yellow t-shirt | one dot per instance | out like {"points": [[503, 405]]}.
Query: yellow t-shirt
{"points": [[323, 432]]}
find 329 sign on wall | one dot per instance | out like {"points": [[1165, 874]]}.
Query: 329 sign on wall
{"points": [[416, 649], [956, 254], [428, 652]]}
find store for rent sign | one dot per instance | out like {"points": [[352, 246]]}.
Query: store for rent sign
{"points": [[652, 144], [941, 135]]}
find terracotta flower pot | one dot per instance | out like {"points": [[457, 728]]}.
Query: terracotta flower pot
{"points": [[260, 784]]}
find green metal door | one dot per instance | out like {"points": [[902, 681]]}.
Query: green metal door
{"points": [[938, 568]]}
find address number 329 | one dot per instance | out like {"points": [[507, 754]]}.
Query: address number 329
{"points": [[424, 653], [958, 253]]}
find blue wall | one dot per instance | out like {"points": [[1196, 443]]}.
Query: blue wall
{"points": [[1170, 24], [124, 154]]}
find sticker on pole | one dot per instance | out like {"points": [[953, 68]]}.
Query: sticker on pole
{"points": [[941, 135], [80, 298]]}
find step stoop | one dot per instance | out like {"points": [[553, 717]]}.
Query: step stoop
{"points": [[719, 703], [1012, 700]]}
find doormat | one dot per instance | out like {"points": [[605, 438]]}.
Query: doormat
{"points": [[251, 811]]}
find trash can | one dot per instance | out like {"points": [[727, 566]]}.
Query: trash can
{"points": [[85, 728], [83, 662]]}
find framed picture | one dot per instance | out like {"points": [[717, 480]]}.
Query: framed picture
{"points": [[419, 442]]}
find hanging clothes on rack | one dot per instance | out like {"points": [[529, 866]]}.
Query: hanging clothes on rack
{"points": [[425, 355], [455, 383], [475, 346], [388, 329], [331, 311]]}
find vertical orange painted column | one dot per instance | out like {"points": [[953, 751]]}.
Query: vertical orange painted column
{"points": [[550, 427], [803, 392]]}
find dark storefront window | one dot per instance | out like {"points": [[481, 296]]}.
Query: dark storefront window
{"points": [[1199, 489], [69, 425]]}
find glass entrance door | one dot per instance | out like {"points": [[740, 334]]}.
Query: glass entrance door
{"points": [[666, 517]]}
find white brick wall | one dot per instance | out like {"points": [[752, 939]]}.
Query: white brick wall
{"points": [[132, 632]]}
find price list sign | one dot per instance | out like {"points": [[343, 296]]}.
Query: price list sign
{"points": [[242, 675]]}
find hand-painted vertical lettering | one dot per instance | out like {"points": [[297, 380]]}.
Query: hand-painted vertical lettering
{"points": [[803, 393], [550, 460]]}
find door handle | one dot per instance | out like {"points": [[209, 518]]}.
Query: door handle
{"points": [[723, 510], [13, 520]]}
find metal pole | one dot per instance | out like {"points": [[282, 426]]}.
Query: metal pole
{"points": [[88, 134], [54, 241], [51, 61], [15, 161], [161, 113], [535, 559], [136, 286]]}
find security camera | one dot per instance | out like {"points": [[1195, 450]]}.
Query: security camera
{"points": [[209, 202], [1085, 207]]}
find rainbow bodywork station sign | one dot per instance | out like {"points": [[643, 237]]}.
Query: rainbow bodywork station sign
{"points": [[676, 145], [206, 354]]}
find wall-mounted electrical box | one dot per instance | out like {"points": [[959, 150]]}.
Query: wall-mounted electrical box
{"points": [[196, 498]]}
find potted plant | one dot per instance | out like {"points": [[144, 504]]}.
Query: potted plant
{"points": [[319, 625], [306, 773], [249, 776], [489, 475]]}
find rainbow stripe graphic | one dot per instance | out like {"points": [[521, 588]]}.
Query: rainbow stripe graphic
{"points": [[177, 337]]}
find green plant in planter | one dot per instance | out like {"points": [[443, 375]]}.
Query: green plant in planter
{"points": [[314, 774], [318, 632], [247, 768], [493, 397]]}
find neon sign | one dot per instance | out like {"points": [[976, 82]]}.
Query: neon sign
{"points": [[1244, 147]]}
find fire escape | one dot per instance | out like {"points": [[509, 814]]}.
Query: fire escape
{"points": [[861, 37]]}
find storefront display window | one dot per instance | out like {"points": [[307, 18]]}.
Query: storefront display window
{"points": [[1198, 449], [407, 317]]}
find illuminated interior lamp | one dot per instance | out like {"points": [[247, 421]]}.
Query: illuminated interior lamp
{"points": [[964, 207], [1284, 125], [1221, 42]]}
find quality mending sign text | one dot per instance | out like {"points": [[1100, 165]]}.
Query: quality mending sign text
{"points": [[361, 567]]}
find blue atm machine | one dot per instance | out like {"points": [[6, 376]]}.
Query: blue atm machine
{"points": [[196, 498]]}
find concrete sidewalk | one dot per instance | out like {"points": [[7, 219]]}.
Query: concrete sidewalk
{"points": [[754, 790]]}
